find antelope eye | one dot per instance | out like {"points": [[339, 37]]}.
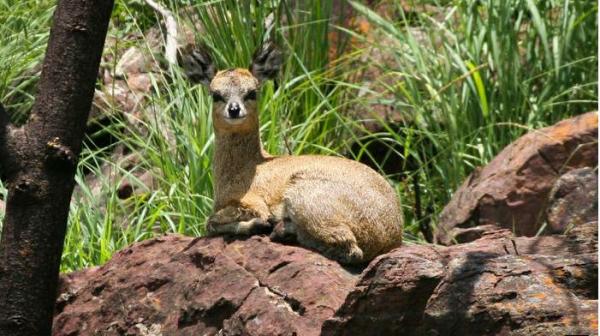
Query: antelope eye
{"points": [[250, 95], [217, 97]]}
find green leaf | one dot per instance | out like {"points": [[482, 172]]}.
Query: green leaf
{"points": [[480, 89]]}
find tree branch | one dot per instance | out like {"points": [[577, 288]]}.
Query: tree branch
{"points": [[171, 27]]}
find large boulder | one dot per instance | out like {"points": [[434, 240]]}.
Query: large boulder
{"points": [[497, 285], [177, 285], [573, 200], [512, 191]]}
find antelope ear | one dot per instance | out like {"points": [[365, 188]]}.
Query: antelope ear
{"points": [[197, 66], [266, 62]]}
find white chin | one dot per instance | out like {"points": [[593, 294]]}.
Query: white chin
{"points": [[235, 121]]}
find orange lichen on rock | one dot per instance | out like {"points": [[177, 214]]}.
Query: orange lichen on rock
{"points": [[593, 318], [564, 129], [540, 296]]}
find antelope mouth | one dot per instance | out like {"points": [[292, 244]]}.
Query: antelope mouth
{"points": [[235, 120]]}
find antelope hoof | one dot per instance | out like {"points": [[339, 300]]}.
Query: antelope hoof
{"points": [[244, 228], [284, 232]]}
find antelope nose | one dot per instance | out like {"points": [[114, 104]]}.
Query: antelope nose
{"points": [[234, 110]]}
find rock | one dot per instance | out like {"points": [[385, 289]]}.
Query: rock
{"points": [[133, 61], [101, 107], [497, 285], [126, 99], [573, 200], [123, 168], [177, 285], [512, 190], [137, 184], [140, 82]]}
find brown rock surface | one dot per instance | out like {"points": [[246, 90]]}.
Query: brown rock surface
{"points": [[496, 285], [573, 200], [512, 190], [133, 61], [177, 285]]}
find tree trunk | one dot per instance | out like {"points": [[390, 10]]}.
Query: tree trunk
{"points": [[37, 163]]}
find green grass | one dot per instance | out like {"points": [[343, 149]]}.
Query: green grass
{"points": [[467, 83], [483, 76], [24, 31]]}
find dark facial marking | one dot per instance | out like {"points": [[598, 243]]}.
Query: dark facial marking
{"points": [[217, 97], [250, 95]]}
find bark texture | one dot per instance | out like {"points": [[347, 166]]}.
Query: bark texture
{"points": [[38, 162]]}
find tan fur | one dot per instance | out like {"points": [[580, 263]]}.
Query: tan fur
{"points": [[337, 206]]}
